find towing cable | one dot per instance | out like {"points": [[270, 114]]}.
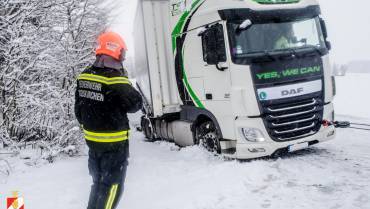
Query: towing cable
{"points": [[347, 124]]}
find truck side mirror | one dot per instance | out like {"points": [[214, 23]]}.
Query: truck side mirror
{"points": [[213, 44], [328, 45], [325, 33], [323, 28]]}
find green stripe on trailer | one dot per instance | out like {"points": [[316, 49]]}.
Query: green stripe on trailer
{"points": [[179, 29], [194, 97], [181, 23]]}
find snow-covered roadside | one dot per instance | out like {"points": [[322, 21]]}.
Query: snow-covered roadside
{"points": [[63, 184], [332, 175]]}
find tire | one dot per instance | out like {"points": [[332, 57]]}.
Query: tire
{"points": [[147, 129], [206, 136]]}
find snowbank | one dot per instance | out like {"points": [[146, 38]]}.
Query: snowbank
{"points": [[160, 176]]}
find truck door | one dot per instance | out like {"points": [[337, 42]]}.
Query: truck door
{"points": [[207, 64], [209, 82], [192, 75]]}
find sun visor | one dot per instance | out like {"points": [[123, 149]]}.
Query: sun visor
{"points": [[266, 16]]}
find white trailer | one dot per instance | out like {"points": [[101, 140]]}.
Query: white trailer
{"points": [[245, 78]]}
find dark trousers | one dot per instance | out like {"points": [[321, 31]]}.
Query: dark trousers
{"points": [[108, 171]]}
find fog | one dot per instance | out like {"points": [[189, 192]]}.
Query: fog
{"points": [[348, 25]]}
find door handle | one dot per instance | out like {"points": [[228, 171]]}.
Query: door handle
{"points": [[221, 68]]}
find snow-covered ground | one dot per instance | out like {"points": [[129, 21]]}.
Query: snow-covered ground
{"points": [[332, 175]]}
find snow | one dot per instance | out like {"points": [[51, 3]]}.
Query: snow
{"points": [[352, 95], [333, 175]]}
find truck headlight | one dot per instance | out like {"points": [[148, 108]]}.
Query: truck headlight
{"points": [[252, 134]]}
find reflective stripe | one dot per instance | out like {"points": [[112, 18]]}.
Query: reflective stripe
{"points": [[112, 196], [105, 134], [105, 140], [106, 137], [105, 80]]}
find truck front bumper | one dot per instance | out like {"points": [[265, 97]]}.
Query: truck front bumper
{"points": [[243, 149], [257, 150]]}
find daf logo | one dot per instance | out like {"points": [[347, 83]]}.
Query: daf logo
{"points": [[292, 91]]}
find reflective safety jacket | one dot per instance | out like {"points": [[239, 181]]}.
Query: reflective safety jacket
{"points": [[103, 98]]}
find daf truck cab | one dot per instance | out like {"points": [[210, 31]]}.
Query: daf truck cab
{"points": [[245, 78]]}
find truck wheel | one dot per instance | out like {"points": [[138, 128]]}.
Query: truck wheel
{"points": [[206, 135], [147, 129]]}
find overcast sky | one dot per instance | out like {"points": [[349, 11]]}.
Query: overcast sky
{"points": [[348, 25]]}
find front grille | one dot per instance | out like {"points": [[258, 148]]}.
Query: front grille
{"points": [[293, 118]]}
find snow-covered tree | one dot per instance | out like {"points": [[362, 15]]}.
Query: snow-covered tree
{"points": [[43, 46]]}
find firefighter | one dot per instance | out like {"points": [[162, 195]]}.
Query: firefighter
{"points": [[104, 96]]}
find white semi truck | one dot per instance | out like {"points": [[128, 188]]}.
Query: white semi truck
{"points": [[245, 78]]}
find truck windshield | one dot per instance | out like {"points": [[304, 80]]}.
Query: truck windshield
{"points": [[275, 37]]}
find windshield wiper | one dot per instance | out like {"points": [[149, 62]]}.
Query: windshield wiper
{"points": [[297, 52], [260, 56], [285, 53], [309, 50]]}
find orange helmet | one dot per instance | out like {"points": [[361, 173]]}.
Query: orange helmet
{"points": [[111, 44]]}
